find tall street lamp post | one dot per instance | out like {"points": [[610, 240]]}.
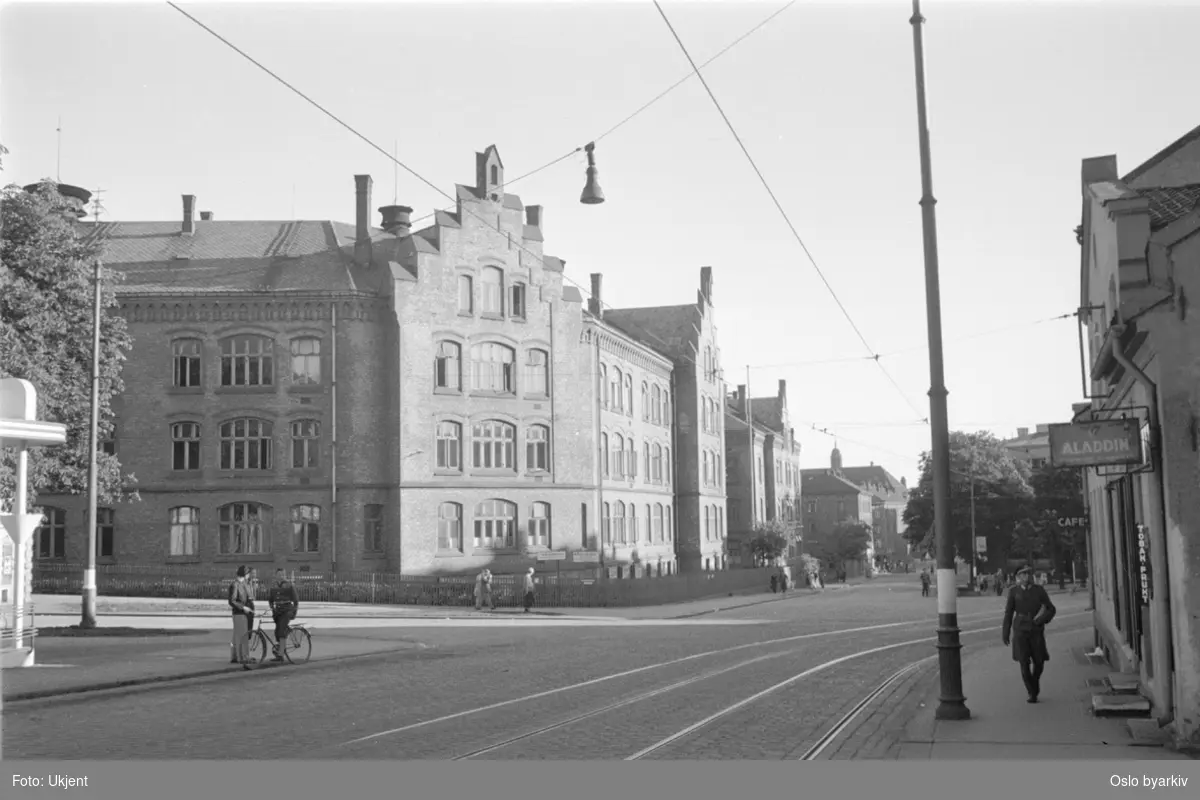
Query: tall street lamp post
{"points": [[952, 705], [88, 620]]}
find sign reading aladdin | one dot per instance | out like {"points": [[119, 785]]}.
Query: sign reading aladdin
{"points": [[1093, 444]]}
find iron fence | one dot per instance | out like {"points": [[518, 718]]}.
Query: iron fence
{"points": [[551, 589]]}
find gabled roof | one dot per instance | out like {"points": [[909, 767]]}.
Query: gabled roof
{"points": [[1161, 155], [889, 488], [223, 256], [1171, 203], [824, 482]]}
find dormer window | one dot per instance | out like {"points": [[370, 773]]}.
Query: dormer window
{"points": [[495, 174]]}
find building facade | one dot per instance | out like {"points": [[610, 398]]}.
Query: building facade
{"points": [[830, 499], [889, 498], [1140, 261], [1030, 447], [319, 395]]}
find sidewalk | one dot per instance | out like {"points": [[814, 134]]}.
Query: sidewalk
{"points": [[1003, 726]]}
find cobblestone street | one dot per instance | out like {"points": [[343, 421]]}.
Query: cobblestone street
{"points": [[508, 692]]}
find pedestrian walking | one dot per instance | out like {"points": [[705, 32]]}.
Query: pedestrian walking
{"points": [[241, 602], [284, 602], [488, 596], [528, 589], [479, 590], [925, 583], [774, 583], [1026, 615]]}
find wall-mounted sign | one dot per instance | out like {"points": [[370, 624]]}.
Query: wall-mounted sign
{"points": [[980, 544], [1143, 560], [1072, 522], [1093, 444]]}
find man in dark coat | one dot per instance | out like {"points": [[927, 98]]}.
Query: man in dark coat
{"points": [[1026, 615], [284, 602]]}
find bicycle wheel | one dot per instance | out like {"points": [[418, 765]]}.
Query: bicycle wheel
{"points": [[257, 648], [299, 646]]}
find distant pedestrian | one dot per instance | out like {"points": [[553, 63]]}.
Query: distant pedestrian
{"points": [[774, 583], [241, 602], [999, 582], [479, 590], [528, 589], [1026, 615], [284, 603], [486, 596], [783, 582], [925, 583]]}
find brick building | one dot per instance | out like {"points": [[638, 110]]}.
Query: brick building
{"points": [[1140, 262], [767, 490], [314, 394], [889, 498], [829, 499]]}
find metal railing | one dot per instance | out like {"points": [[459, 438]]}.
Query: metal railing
{"points": [[551, 590]]}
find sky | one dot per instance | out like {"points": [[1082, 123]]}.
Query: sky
{"points": [[153, 107]]}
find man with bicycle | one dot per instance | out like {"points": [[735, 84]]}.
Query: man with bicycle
{"points": [[284, 603]]}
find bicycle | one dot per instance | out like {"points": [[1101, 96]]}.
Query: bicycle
{"points": [[260, 642]]}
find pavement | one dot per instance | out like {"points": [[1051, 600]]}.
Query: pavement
{"points": [[1003, 726]]}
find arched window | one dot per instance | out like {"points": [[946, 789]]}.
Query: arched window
{"points": [[242, 529], [604, 392], [658, 522], [618, 456], [306, 360], [619, 521], [493, 445], [466, 294], [492, 368], [247, 361], [667, 465], [656, 404], [632, 523], [629, 395], [185, 531], [539, 525], [606, 523], [516, 301], [447, 366], [604, 460], [656, 464], [537, 373], [614, 389], [495, 175], [185, 357], [537, 448], [492, 296], [631, 469], [707, 523], [246, 444], [649, 523], [666, 407], [50, 538], [645, 401], [705, 473], [450, 528], [185, 445], [306, 529], [306, 444], [449, 446], [670, 526], [495, 525]]}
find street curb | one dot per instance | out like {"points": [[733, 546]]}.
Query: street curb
{"points": [[160, 680], [806, 593]]}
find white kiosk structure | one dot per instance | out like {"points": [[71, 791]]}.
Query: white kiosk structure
{"points": [[20, 430]]}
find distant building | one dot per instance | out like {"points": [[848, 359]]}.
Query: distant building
{"points": [[829, 498], [766, 486], [1032, 448], [889, 498]]}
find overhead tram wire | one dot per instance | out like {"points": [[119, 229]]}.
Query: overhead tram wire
{"points": [[779, 206], [646, 105], [385, 153]]}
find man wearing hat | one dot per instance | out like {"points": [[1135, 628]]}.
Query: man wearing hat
{"points": [[1026, 615]]}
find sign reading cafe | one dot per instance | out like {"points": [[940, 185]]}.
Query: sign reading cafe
{"points": [[1093, 444]]}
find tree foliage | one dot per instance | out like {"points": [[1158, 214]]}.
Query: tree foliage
{"points": [[46, 300], [1058, 493], [1002, 491], [769, 542], [848, 541]]}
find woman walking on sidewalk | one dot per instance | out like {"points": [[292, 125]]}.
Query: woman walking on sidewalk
{"points": [[241, 601], [1026, 615]]}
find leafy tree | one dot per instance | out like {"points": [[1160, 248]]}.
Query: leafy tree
{"points": [[848, 541], [1058, 492], [769, 542], [46, 299], [1003, 496]]}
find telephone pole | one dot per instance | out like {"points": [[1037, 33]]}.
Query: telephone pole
{"points": [[952, 705], [88, 619]]}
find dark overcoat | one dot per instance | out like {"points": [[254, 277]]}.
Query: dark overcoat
{"points": [[1026, 615]]}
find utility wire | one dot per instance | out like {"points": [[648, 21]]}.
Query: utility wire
{"points": [[386, 154], [784, 213], [647, 105]]}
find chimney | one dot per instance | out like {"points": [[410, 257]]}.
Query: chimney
{"points": [[1022, 433], [206, 216], [362, 220], [189, 214], [741, 397], [1099, 169], [533, 216], [396, 219], [706, 283], [1043, 428], [782, 396], [595, 306]]}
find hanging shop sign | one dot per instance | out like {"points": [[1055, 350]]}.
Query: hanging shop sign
{"points": [[1143, 560], [1093, 444]]}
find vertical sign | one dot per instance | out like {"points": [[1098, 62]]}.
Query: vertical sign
{"points": [[1143, 557]]}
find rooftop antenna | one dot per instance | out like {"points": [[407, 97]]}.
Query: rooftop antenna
{"points": [[97, 206], [58, 163]]}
